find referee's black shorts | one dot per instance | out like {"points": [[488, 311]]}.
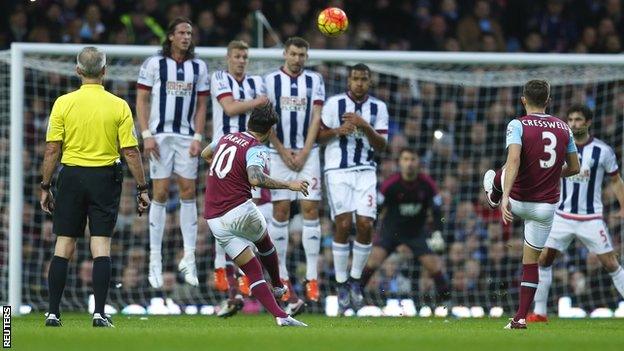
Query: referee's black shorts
{"points": [[87, 192], [416, 241]]}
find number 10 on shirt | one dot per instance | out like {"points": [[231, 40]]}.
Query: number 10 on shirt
{"points": [[222, 156]]}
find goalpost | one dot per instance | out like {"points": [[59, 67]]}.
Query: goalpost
{"points": [[436, 100]]}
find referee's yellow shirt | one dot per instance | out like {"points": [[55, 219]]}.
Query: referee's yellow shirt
{"points": [[92, 124]]}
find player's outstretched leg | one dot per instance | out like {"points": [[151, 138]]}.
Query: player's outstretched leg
{"points": [[157, 218], [260, 289], [188, 226], [492, 184], [268, 256]]}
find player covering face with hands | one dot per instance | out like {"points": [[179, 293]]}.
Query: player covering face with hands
{"points": [[237, 163], [354, 126], [298, 95]]}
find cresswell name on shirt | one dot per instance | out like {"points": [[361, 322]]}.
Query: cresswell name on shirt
{"points": [[293, 103], [544, 124], [179, 88]]}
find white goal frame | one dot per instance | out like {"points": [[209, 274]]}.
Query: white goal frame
{"points": [[18, 50]]}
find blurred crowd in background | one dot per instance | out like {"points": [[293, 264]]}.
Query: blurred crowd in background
{"points": [[592, 26], [458, 131]]}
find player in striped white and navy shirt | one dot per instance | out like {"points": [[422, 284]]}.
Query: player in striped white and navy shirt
{"points": [[579, 212], [172, 96], [354, 125], [298, 96], [234, 95]]}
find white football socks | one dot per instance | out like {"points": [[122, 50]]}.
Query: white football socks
{"points": [[279, 235], [188, 226], [219, 259], [360, 257], [618, 280], [341, 260], [157, 218], [311, 238], [543, 287]]}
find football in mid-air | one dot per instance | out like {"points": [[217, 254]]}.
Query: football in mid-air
{"points": [[332, 21]]}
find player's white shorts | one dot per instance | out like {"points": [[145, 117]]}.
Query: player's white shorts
{"points": [[174, 158], [311, 172], [267, 210], [592, 233], [538, 220], [352, 191], [238, 227]]}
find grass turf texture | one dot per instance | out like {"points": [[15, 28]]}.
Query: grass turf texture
{"points": [[260, 333]]}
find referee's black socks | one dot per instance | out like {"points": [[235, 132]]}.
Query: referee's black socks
{"points": [[57, 276], [101, 281]]}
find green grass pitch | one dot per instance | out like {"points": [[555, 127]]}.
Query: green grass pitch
{"points": [[260, 333]]}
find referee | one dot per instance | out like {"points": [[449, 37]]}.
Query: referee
{"points": [[88, 126]]}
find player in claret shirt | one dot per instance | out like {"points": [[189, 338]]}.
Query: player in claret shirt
{"points": [[235, 93], [540, 150], [237, 164]]}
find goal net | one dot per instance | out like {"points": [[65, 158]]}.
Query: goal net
{"points": [[453, 113]]}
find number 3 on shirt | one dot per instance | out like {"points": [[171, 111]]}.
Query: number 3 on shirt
{"points": [[549, 149], [222, 156]]}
